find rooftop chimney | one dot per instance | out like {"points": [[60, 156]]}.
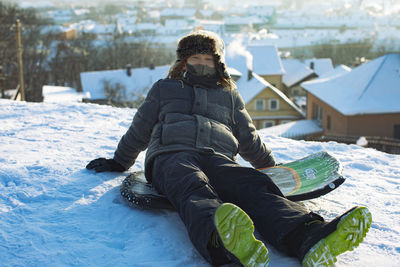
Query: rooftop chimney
{"points": [[249, 74], [128, 70]]}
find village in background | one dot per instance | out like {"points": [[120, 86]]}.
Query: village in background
{"points": [[307, 70]]}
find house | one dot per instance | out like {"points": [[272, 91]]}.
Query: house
{"points": [[362, 102], [266, 105], [61, 33], [296, 72], [235, 24], [61, 16], [177, 13], [121, 87], [175, 27], [319, 65], [267, 64], [147, 28], [216, 26], [263, 11]]}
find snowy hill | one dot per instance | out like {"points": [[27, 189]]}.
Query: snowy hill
{"points": [[54, 212]]}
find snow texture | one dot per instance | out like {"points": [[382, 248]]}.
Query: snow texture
{"points": [[54, 212]]}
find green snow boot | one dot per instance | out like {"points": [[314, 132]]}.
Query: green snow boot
{"points": [[235, 229], [344, 234]]}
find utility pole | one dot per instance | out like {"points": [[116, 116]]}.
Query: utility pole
{"points": [[3, 95], [21, 73]]}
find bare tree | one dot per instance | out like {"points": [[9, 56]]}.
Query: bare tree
{"points": [[34, 49], [115, 93]]}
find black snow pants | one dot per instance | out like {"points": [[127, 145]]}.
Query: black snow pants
{"points": [[197, 183]]}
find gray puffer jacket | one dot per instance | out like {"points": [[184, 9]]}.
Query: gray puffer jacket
{"points": [[177, 116]]}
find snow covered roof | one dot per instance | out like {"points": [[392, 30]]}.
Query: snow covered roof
{"points": [[295, 71], [295, 129], [233, 71], [321, 65], [266, 60], [61, 94], [239, 62], [99, 28], [248, 89], [140, 81], [338, 71], [371, 88], [81, 11]]}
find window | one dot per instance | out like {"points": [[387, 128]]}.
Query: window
{"points": [[267, 124], [317, 113], [260, 104], [396, 131], [273, 104]]}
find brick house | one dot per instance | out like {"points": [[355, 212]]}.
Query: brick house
{"points": [[362, 102]]}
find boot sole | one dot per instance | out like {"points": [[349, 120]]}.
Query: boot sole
{"points": [[236, 229], [349, 233]]}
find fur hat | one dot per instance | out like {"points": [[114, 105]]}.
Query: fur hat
{"points": [[203, 42]]}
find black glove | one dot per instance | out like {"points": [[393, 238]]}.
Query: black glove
{"points": [[105, 165]]}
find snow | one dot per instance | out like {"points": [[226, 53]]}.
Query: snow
{"points": [[249, 89], [54, 212], [266, 53], [295, 71], [321, 65], [338, 71], [371, 88], [295, 129], [62, 94]]}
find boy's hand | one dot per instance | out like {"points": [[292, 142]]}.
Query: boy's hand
{"points": [[105, 165]]}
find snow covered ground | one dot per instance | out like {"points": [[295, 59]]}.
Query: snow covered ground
{"points": [[54, 212]]}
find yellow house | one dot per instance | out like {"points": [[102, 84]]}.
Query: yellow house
{"points": [[267, 64], [266, 105]]}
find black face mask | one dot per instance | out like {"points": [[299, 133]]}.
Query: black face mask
{"points": [[201, 74], [201, 70]]}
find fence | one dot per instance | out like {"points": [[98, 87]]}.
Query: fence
{"points": [[385, 144]]}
